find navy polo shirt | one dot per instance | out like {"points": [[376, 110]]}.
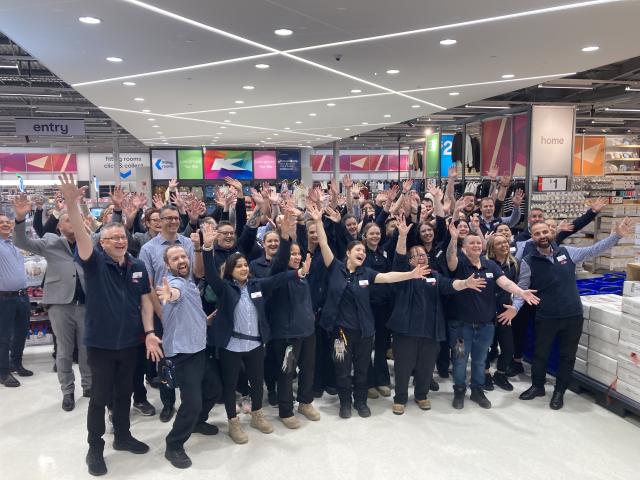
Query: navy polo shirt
{"points": [[472, 306], [113, 298]]}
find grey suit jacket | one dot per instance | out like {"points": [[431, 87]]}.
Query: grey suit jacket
{"points": [[60, 279]]}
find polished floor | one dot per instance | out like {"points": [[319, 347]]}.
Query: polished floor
{"points": [[515, 439]]}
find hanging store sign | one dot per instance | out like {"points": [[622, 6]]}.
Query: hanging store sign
{"points": [[164, 164], [50, 127]]}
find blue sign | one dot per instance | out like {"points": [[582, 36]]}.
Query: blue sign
{"points": [[289, 166], [446, 159]]}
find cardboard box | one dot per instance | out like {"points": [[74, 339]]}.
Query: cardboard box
{"points": [[605, 348], [631, 288], [608, 334], [600, 375], [630, 336], [629, 322], [585, 326], [633, 269], [608, 315], [629, 351], [629, 391], [580, 366], [631, 305], [604, 362], [628, 364], [629, 376], [582, 353], [584, 340]]}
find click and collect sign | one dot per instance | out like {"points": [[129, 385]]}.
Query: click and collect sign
{"points": [[50, 127], [102, 164], [163, 164]]}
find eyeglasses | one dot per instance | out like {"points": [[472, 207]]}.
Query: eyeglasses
{"points": [[155, 219], [226, 234], [170, 219], [119, 238], [418, 255]]}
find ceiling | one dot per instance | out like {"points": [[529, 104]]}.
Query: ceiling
{"points": [[191, 59]]}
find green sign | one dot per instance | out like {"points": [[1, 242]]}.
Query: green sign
{"points": [[433, 154], [190, 165]]}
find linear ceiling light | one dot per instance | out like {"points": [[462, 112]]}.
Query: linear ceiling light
{"points": [[493, 107], [631, 89], [566, 87], [622, 109], [62, 113], [9, 67], [7, 94]]}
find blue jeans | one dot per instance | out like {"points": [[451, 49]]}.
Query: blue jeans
{"points": [[14, 326], [477, 340]]}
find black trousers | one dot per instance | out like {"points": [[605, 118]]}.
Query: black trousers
{"points": [[378, 375], [417, 355], [111, 383], [139, 390], [504, 336], [230, 366], [211, 384], [568, 331], [358, 356], [304, 350], [271, 367], [520, 325], [325, 374], [189, 375], [14, 326]]}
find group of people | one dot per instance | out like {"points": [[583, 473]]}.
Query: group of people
{"points": [[317, 293]]}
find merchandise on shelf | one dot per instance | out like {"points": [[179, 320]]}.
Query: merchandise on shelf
{"points": [[560, 205], [622, 154]]}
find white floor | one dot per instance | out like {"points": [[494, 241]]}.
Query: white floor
{"points": [[513, 440]]}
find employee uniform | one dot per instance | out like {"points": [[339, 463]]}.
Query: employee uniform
{"points": [[418, 325], [475, 315], [347, 314], [240, 329], [14, 305], [292, 322], [490, 225], [113, 332], [559, 313]]}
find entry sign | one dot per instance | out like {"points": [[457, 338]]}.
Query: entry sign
{"points": [[552, 184], [50, 127]]}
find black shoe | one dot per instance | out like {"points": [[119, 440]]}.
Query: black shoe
{"points": [[514, 369], [272, 397], [557, 400], [178, 458], [144, 408], [204, 428], [477, 395], [55, 367], [68, 402], [501, 380], [21, 371], [318, 393], [458, 397], [167, 413], [362, 409], [95, 462], [488, 382], [130, 445], [532, 392], [86, 392], [443, 373], [434, 386], [9, 380], [345, 410], [331, 390], [155, 382]]}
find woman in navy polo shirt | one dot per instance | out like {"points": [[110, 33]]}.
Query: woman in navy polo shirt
{"points": [[347, 315]]}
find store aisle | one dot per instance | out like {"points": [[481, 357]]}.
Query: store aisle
{"points": [[513, 440]]}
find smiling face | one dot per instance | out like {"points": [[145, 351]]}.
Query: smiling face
{"points": [[6, 226], [170, 221], [504, 230], [427, 206], [271, 244], [372, 236], [226, 237], [472, 247], [368, 210], [541, 235], [418, 256], [390, 227], [352, 226], [153, 223], [426, 233], [536, 215], [356, 255], [177, 261], [312, 233], [463, 229], [64, 225], [114, 242], [501, 245], [296, 256], [240, 271], [488, 208]]}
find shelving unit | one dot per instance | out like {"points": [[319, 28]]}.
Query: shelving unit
{"points": [[40, 331], [622, 155]]}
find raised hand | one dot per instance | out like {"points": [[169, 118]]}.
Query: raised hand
{"points": [[420, 271], [314, 213], [453, 230], [163, 291], [436, 192], [347, 183], [288, 225], [407, 185], [209, 235], [173, 183], [518, 196], [257, 198], [158, 201], [59, 201], [598, 204], [38, 202], [507, 316], [452, 173], [333, 187], [475, 283], [403, 228], [625, 227], [117, 197], [306, 266], [474, 223], [21, 206], [333, 215], [565, 226], [232, 182], [493, 172], [140, 200], [69, 189], [195, 239]]}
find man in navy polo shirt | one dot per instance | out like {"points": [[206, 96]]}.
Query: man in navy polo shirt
{"points": [[117, 296]]}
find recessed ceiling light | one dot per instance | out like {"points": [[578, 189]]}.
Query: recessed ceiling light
{"points": [[386, 115], [415, 106], [227, 121], [90, 20], [268, 138], [313, 114], [219, 133], [448, 41], [248, 87], [239, 102], [151, 119], [283, 32], [347, 129], [298, 122], [129, 84], [114, 59], [365, 123], [262, 66], [159, 133], [155, 126], [276, 134], [453, 94], [287, 128], [591, 48], [508, 75], [393, 71], [262, 141], [146, 110], [139, 99], [356, 90], [232, 113], [222, 126], [331, 104]]}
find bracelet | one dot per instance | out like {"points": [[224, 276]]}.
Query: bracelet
{"points": [[205, 249], [301, 275], [148, 332]]}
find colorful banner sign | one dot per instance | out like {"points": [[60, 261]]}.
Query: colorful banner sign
{"points": [[446, 158], [289, 165], [432, 150], [190, 165], [219, 164], [264, 165]]}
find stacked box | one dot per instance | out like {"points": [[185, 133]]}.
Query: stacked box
{"points": [[629, 344]]}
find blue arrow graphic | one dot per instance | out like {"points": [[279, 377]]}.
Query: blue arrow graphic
{"points": [[159, 164], [125, 174]]}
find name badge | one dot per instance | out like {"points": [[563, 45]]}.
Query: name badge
{"points": [[384, 254], [513, 249], [136, 275], [256, 294], [430, 280], [363, 283], [438, 254], [561, 258], [489, 275]]}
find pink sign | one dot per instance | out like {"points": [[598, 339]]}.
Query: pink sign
{"points": [[264, 165]]}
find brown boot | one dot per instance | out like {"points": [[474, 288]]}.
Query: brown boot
{"points": [[259, 421], [291, 422], [236, 432], [308, 411]]}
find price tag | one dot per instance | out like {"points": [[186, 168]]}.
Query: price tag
{"points": [[552, 184]]}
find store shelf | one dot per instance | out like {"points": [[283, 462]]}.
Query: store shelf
{"points": [[41, 318], [623, 160], [605, 396], [630, 174], [622, 145]]}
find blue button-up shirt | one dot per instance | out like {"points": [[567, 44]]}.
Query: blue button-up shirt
{"points": [[245, 320], [184, 321], [12, 274], [152, 254]]}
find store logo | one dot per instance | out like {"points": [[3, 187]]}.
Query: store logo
{"points": [[125, 174], [158, 164]]}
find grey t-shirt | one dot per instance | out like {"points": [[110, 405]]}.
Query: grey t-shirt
{"points": [[184, 321]]}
